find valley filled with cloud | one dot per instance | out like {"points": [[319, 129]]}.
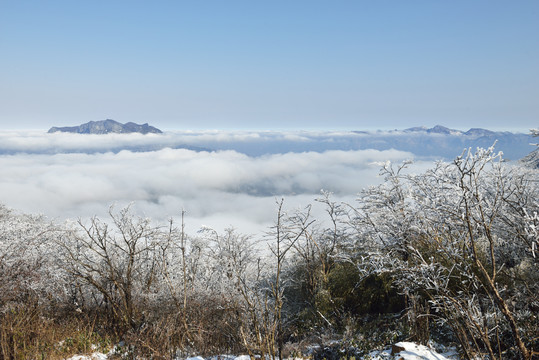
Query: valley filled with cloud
{"points": [[74, 176], [220, 179]]}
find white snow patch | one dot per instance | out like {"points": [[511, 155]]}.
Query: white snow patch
{"points": [[243, 357], [94, 356], [411, 351], [223, 357]]}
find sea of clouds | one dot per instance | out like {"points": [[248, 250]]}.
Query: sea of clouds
{"points": [[71, 176]]}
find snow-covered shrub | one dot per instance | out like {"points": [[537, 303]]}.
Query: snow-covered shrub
{"points": [[115, 266], [27, 259], [456, 238], [33, 315]]}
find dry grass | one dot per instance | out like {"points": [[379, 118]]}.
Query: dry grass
{"points": [[27, 332]]}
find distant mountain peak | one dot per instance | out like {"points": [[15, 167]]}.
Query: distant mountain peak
{"points": [[479, 132], [107, 126], [417, 128], [438, 129]]}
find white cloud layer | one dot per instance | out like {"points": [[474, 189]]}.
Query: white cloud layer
{"points": [[217, 189], [38, 141]]}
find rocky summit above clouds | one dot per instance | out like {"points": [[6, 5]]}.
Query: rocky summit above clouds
{"points": [[107, 126]]}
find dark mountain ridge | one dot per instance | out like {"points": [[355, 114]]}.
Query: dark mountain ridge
{"points": [[107, 126]]}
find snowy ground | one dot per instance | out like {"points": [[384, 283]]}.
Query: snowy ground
{"points": [[411, 351], [400, 351]]}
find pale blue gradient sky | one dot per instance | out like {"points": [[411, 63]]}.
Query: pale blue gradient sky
{"points": [[270, 64]]}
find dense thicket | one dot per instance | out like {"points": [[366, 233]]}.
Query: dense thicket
{"points": [[449, 254]]}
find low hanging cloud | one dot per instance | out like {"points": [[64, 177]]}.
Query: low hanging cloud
{"points": [[12, 142], [220, 178], [216, 188], [422, 143]]}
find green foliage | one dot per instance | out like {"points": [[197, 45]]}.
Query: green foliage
{"points": [[379, 296], [342, 281], [342, 303]]}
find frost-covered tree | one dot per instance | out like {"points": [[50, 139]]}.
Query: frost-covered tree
{"points": [[27, 258], [283, 236], [317, 256], [235, 273], [251, 277], [456, 240], [115, 264], [32, 287]]}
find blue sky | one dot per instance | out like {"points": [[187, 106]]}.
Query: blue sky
{"points": [[270, 64]]}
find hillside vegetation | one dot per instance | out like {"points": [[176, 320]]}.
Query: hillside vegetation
{"points": [[448, 255]]}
